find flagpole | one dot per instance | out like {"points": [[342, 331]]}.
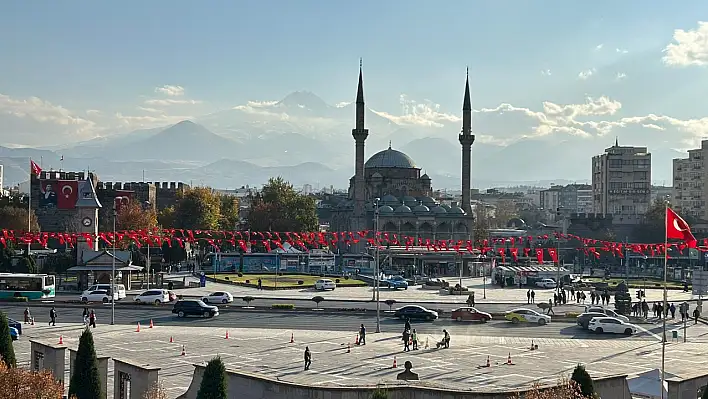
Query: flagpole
{"points": [[663, 310], [29, 204]]}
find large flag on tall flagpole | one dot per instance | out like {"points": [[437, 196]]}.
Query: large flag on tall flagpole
{"points": [[677, 228], [36, 170]]}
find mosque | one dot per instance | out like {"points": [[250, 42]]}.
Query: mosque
{"points": [[391, 182]]}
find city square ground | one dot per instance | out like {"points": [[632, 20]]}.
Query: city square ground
{"points": [[259, 343]]}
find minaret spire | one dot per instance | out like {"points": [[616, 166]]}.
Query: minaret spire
{"points": [[359, 221], [360, 106], [466, 140]]}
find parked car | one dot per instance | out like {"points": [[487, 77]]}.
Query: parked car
{"points": [[526, 316], [415, 312], [218, 297], [611, 325], [607, 312], [153, 296], [14, 334], [469, 313], [325, 284], [98, 296], [194, 307], [546, 283], [583, 319], [120, 289], [395, 282], [15, 324]]}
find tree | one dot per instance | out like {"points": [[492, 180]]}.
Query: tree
{"points": [[85, 380], [582, 378], [166, 217], [133, 217], [214, 383], [278, 207], [379, 394], [229, 212], [14, 218], [566, 389], [317, 300], [26, 264], [506, 210], [6, 255], [197, 208], [651, 229], [21, 383], [705, 393], [481, 224], [172, 252], [58, 263], [7, 351], [155, 392]]}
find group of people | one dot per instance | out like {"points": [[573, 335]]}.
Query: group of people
{"points": [[89, 317]]}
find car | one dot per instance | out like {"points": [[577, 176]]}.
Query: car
{"points": [[395, 282], [153, 296], [14, 334], [194, 307], [415, 312], [218, 297], [325, 284], [98, 296], [546, 283], [120, 289], [469, 313], [611, 325], [527, 316], [607, 312], [583, 319], [15, 324]]}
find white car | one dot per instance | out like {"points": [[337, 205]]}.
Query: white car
{"points": [[611, 325], [98, 296], [120, 289], [218, 297], [608, 312], [325, 284], [546, 283], [153, 296]]}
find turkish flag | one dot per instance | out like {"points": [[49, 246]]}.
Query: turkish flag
{"points": [[539, 255], [68, 193], [677, 228]]}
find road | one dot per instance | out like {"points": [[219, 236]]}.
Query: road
{"points": [[325, 322]]}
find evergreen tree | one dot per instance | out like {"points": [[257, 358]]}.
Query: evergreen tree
{"points": [[379, 394], [214, 384], [85, 380], [7, 351], [705, 393], [582, 378]]}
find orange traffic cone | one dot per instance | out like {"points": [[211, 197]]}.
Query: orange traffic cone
{"points": [[394, 363], [356, 341], [292, 338], [151, 325], [138, 329], [349, 348], [172, 340], [227, 334], [61, 340], [508, 360], [184, 352], [489, 364]]}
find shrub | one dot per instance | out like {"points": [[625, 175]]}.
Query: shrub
{"points": [[346, 277], [240, 274], [214, 384], [155, 392], [390, 303], [572, 314], [248, 300], [7, 351], [336, 281], [21, 383], [300, 282], [379, 394], [85, 380], [566, 389], [317, 300], [285, 306], [248, 281], [582, 378], [226, 278]]}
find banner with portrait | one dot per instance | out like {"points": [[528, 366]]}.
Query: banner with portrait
{"points": [[48, 196]]}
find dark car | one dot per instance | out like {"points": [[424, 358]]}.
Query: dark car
{"points": [[468, 313], [194, 307], [584, 319], [415, 312], [15, 324]]}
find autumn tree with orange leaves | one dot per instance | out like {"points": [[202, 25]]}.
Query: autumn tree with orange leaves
{"points": [[21, 383], [132, 216]]}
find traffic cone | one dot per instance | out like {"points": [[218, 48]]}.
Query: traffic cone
{"points": [[394, 363], [489, 364], [61, 340], [356, 341], [349, 348], [227, 334], [292, 338], [172, 341], [138, 329], [184, 352], [508, 360], [151, 325]]}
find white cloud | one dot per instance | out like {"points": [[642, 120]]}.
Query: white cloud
{"points": [[546, 72], [689, 47], [620, 75], [171, 101], [93, 112], [621, 51], [343, 104], [586, 74], [426, 113], [150, 110], [599, 46], [170, 90]]}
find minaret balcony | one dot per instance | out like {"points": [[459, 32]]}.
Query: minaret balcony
{"points": [[360, 134], [466, 139]]}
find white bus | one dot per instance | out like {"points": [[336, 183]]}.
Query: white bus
{"points": [[32, 286]]}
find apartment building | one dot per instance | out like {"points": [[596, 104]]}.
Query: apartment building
{"points": [[571, 198], [689, 175], [621, 183]]}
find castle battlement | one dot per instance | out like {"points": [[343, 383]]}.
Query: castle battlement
{"points": [[141, 186]]}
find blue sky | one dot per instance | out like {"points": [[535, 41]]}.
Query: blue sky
{"points": [[110, 56]]}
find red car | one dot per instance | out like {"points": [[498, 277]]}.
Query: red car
{"points": [[469, 313]]}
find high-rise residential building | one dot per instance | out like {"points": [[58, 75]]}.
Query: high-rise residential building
{"points": [[550, 200], [621, 183], [576, 198], [689, 175]]}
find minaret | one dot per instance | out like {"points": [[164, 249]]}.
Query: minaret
{"points": [[360, 134], [466, 140]]}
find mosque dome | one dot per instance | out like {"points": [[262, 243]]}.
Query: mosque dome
{"points": [[385, 209], [390, 158], [403, 209]]}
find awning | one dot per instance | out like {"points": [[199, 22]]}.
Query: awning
{"points": [[105, 268]]}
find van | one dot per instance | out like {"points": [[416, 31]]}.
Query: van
{"points": [[120, 288]]}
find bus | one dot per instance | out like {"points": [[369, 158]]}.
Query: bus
{"points": [[32, 286]]}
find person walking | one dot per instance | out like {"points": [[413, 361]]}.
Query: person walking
{"points": [[406, 341], [85, 314], [672, 309], [362, 335], [533, 296], [28, 316], [407, 326], [696, 314], [308, 358], [53, 317], [92, 319], [414, 338], [550, 308]]}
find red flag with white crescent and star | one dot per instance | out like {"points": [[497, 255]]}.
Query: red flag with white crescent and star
{"points": [[68, 194], [677, 228], [36, 170]]}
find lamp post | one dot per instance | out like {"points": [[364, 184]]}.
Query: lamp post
{"points": [[147, 205], [113, 267], [376, 278]]}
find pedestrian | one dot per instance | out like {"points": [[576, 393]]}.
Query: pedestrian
{"points": [[308, 358], [406, 341], [407, 326], [362, 335], [86, 315], [528, 296], [592, 297], [473, 301], [260, 283], [92, 319], [672, 309], [533, 296], [696, 313], [555, 299], [414, 338], [28, 316], [446, 339], [53, 317], [550, 308], [645, 308]]}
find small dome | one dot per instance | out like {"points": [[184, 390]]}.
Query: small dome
{"points": [[390, 199], [446, 206], [456, 210], [369, 206], [428, 201], [376, 175], [425, 176], [403, 209], [390, 159], [438, 209], [385, 209], [410, 200], [421, 209]]}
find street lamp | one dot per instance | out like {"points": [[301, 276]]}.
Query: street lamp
{"points": [[113, 267], [147, 207], [376, 278]]}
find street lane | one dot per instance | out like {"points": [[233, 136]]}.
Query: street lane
{"points": [[325, 322]]}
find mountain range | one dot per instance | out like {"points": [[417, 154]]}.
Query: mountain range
{"points": [[306, 141]]}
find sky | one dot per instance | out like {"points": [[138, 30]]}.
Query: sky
{"points": [[75, 70]]}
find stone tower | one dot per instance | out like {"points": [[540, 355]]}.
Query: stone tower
{"points": [[360, 134], [87, 206], [466, 140]]}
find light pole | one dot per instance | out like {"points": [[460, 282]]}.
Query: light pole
{"points": [[113, 267], [147, 259], [376, 251]]}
